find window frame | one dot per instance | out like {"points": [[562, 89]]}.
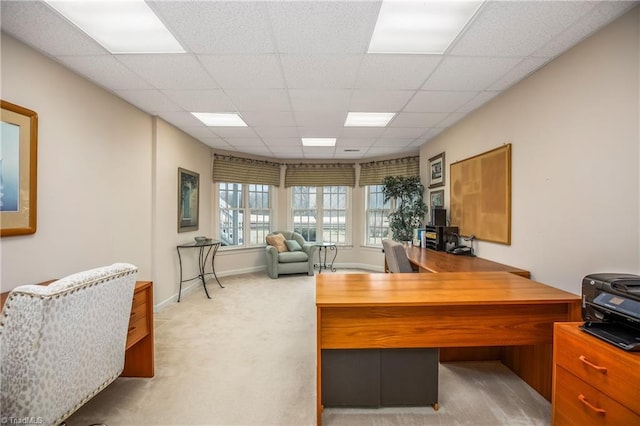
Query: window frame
{"points": [[367, 210], [246, 211], [320, 209]]}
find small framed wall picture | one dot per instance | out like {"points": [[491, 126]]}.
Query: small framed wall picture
{"points": [[188, 200], [437, 199], [436, 171]]}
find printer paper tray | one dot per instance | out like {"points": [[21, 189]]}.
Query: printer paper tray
{"points": [[618, 335]]}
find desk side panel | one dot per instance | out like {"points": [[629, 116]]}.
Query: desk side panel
{"points": [[439, 326]]}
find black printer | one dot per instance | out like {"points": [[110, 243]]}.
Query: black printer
{"points": [[611, 308]]}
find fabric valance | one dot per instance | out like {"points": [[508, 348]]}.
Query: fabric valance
{"points": [[320, 175], [374, 172], [228, 168]]}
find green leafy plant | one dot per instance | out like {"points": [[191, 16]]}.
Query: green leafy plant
{"points": [[410, 206]]}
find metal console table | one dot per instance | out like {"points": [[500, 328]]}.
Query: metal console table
{"points": [[208, 248], [323, 264]]}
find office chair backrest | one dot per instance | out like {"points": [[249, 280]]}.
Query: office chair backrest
{"points": [[396, 256]]}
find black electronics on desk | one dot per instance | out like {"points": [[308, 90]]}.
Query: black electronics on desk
{"points": [[611, 308], [437, 237]]}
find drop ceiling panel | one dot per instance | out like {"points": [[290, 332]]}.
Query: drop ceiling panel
{"points": [[320, 100], [267, 118], [106, 71], [413, 119], [148, 100], [206, 27], [201, 100], [403, 132], [245, 71], [260, 99], [320, 71], [234, 132], [395, 71], [469, 73], [277, 132], [320, 118], [322, 27], [174, 71], [439, 101], [371, 100], [530, 25]]}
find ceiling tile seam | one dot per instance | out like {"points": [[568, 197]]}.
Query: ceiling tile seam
{"points": [[466, 27]]}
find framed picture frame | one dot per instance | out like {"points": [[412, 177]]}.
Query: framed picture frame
{"points": [[188, 200], [18, 170], [436, 171], [436, 199]]}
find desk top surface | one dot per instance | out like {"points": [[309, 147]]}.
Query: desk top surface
{"points": [[459, 288], [439, 261]]}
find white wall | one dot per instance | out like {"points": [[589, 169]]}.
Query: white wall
{"points": [[94, 174], [575, 158]]}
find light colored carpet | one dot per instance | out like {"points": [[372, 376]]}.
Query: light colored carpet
{"points": [[248, 357]]}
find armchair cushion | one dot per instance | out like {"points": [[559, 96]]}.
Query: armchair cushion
{"points": [[293, 245], [293, 256], [278, 241]]}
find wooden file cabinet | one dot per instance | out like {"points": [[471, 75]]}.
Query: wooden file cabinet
{"points": [[594, 383], [139, 357]]}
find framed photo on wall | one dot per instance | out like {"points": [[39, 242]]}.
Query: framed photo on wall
{"points": [[436, 171], [436, 199], [188, 200], [18, 170]]}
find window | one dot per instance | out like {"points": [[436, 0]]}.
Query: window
{"points": [[245, 213], [377, 214], [327, 202]]}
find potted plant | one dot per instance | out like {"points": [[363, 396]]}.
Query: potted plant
{"points": [[410, 207]]}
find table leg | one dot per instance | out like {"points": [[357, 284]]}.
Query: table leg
{"points": [[319, 259], [202, 262], [213, 267], [180, 261]]}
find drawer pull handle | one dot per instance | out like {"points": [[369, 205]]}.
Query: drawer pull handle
{"points": [[583, 399], [600, 369], [132, 328]]}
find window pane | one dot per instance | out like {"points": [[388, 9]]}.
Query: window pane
{"points": [[377, 216], [334, 224], [304, 222], [232, 226], [260, 224]]}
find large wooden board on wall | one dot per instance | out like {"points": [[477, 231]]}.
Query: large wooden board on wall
{"points": [[480, 195]]}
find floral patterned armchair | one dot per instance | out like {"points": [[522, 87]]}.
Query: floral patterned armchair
{"points": [[63, 343]]}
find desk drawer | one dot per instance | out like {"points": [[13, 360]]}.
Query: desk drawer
{"points": [[612, 371], [137, 329], [577, 403], [139, 297]]}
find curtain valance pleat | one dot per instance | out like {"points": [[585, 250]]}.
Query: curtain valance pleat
{"points": [[228, 168], [374, 172], [320, 175]]}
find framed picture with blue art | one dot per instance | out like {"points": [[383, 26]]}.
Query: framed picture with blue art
{"points": [[18, 170], [188, 200]]}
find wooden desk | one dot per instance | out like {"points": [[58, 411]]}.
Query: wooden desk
{"points": [[438, 261], [139, 355], [359, 311]]}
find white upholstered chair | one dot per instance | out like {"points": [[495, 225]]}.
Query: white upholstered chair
{"points": [[63, 343], [396, 256]]}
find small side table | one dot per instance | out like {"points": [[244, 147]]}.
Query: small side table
{"points": [[323, 263], [211, 247]]}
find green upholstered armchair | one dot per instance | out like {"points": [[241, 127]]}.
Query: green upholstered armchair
{"points": [[295, 258]]}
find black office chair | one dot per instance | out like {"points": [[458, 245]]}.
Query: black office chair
{"points": [[397, 260]]}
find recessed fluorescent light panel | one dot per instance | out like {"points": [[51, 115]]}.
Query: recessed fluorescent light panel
{"points": [[420, 27], [368, 119], [318, 141], [120, 26], [220, 119]]}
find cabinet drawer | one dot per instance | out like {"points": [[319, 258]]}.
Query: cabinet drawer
{"points": [[612, 371], [139, 297], [137, 312], [137, 330], [577, 403]]}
